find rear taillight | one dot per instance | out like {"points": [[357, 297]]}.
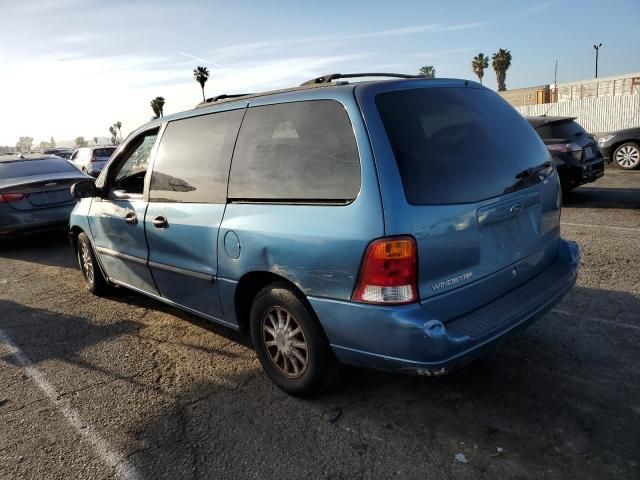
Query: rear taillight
{"points": [[11, 197], [570, 148], [389, 273]]}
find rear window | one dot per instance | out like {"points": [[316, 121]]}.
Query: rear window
{"points": [[568, 129], [300, 151], [103, 152], [27, 168], [457, 145]]}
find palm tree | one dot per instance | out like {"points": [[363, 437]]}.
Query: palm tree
{"points": [[114, 134], [501, 61], [428, 71], [118, 125], [478, 64], [201, 74], [157, 105]]}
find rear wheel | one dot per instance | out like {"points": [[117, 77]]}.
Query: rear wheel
{"points": [[289, 342], [91, 274], [627, 156]]}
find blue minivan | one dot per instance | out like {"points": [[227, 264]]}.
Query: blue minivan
{"points": [[404, 224]]}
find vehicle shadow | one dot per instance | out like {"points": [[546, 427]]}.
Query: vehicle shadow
{"points": [[47, 248], [129, 297], [555, 395], [47, 338], [602, 197]]}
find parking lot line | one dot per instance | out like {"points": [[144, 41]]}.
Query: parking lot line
{"points": [[599, 320], [121, 467], [626, 229]]}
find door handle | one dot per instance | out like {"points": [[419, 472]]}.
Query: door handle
{"points": [[160, 222], [131, 218]]}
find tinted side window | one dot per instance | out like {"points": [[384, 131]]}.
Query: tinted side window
{"points": [[296, 151], [192, 163], [132, 165]]}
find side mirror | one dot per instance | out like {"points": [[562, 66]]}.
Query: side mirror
{"points": [[85, 189]]}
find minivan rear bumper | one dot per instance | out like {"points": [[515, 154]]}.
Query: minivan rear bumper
{"points": [[408, 338]]}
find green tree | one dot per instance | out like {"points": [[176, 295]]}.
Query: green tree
{"points": [[52, 143], [81, 142], [501, 61], [428, 71], [95, 140], [157, 105], [201, 75], [478, 65]]}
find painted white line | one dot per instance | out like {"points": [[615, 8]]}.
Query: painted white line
{"points": [[626, 229], [121, 467], [599, 320]]}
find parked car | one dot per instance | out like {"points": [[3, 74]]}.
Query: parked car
{"points": [[406, 225], [622, 147], [574, 151], [91, 160], [59, 152], [34, 193]]}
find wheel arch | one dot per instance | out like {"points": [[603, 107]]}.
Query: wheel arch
{"points": [[248, 287]]}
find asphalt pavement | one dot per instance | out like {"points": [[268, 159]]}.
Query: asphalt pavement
{"points": [[126, 387]]}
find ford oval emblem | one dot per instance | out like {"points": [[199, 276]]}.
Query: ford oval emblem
{"points": [[517, 208]]}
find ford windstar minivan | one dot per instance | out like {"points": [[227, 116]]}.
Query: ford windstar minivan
{"points": [[404, 224]]}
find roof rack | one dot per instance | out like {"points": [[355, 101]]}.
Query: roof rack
{"points": [[335, 76], [224, 96]]}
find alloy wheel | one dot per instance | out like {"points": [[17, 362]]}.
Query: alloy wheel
{"points": [[628, 156], [87, 262], [284, 341]]}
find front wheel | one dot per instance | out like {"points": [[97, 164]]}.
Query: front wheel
{"points": [[627, 156], [290, 343], [91, 274]]}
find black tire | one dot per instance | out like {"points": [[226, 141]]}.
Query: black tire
{"points": [[91, 273], [629, 154], [321, 369]]}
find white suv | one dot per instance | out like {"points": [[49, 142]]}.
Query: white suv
{"points": [[91, 160]]}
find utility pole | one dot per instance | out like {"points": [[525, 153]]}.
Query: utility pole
{"points": [[597, 47], [555, 82]]}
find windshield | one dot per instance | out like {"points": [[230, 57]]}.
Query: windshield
{"points": [[458, 145]]}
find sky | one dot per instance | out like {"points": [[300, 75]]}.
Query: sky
{"points": [[71, 68]]}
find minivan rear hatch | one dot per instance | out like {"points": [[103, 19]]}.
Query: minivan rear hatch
{"points": [[477, 190]]}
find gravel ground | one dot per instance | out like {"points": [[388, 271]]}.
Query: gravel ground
{"points": [[125, 386]]}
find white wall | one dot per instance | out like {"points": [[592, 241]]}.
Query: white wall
{"points": [[596, 115]]}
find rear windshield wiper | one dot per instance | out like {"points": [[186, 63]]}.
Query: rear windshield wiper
{"points": [[533, 171]]}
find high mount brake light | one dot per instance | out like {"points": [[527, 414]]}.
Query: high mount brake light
{"points": [[389, 273]]}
